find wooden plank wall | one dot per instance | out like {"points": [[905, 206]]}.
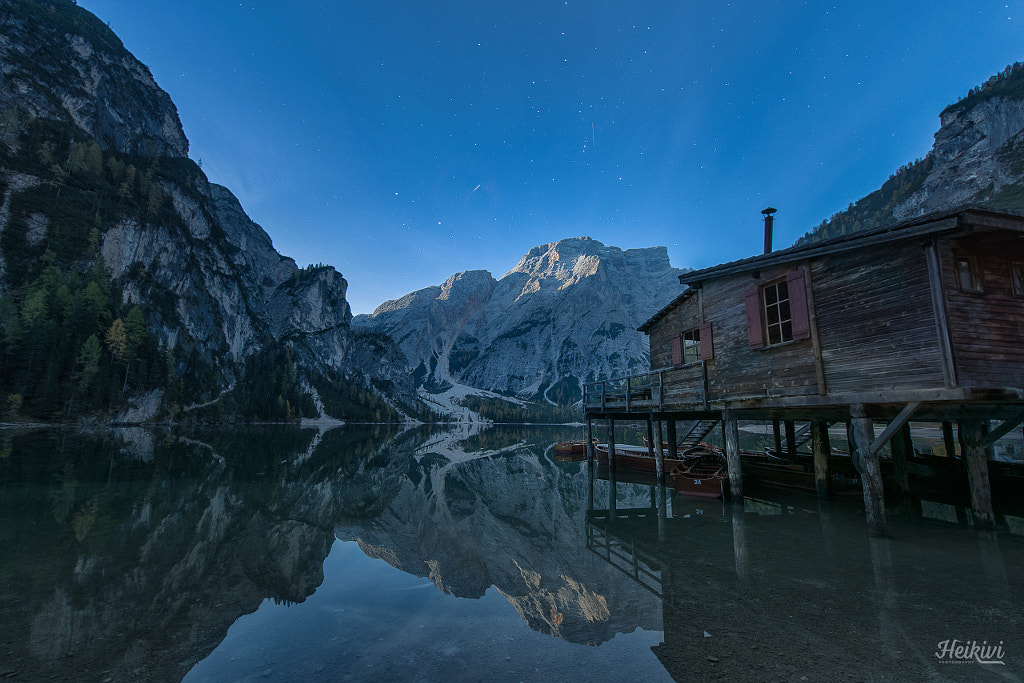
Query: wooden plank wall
{"points": [[987, 328], [875, 320], [738, 371], [685, 316]]}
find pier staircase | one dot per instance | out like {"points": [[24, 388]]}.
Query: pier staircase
{"points": [[695, 432]]}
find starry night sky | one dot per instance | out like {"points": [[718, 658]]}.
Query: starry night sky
{"points": [[402, 142]]}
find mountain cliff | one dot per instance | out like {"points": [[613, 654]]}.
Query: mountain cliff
{"points": [[566, 314], [977, 158], [126, 276]]}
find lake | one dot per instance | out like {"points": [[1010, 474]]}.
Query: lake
{"points": [[370, 553]]}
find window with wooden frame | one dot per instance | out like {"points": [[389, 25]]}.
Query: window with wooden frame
{"points": [[777, 311], [692, 345], [968, 277], [1017, 278]]}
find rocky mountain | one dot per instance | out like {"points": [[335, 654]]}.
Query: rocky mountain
{"points": [[977, 158], [566, 314], [118, 255]]}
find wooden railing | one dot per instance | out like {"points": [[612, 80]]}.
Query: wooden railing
{"points": [[652, 390]]}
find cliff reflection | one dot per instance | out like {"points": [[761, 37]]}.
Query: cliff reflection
{"points": [[128, 553]]}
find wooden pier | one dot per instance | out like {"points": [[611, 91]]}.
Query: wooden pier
{"points": [[921, 321]]}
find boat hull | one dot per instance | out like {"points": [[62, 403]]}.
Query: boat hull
{"points": [[634, 458], [704, 477]]}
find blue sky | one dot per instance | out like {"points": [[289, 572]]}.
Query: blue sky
{"points": [[402, 142]]}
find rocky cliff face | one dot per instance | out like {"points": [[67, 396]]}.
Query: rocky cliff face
{"points": [[64, 64], [977, 158], [91, 143], [567, 313]]}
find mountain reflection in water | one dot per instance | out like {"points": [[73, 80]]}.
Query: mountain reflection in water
{"points": [[287, 554]]}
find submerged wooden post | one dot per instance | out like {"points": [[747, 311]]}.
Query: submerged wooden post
{"points": [[659, 453], [790, 438], [732, 457], [902, 449], [821, 447], [871, 474], [972, 436], [612, 493], [611, 445]]}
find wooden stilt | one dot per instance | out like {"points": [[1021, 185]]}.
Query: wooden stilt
{"points": [[590, 486], [662, 509], [659, 453], [611, 445], [821, 446], [612, 493], [777, 433], [650, 436], [790, 438], [972, 436], [673, 451], [732, 458], [739, 538], [871, 475], [902, 449], [590, 439], [947, 439]]}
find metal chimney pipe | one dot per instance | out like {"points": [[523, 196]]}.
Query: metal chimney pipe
{"points": [[769, 221]]}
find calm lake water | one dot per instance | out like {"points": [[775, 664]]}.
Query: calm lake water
{"points": [[279, 554]]}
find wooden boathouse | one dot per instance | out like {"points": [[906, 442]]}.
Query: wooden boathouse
{"points": [[920, 321]]}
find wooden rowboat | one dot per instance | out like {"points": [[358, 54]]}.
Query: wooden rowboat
{"points": [[635, 458], [705, 476], [797, 476], [571, 450]]}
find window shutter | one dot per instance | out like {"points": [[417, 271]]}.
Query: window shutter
{"points": [[756, 334], [707, 349], [677, 349], [798, 304]]}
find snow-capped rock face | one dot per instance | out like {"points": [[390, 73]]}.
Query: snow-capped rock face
{"points": [[567, 313]]}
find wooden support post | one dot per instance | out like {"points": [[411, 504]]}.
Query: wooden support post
{"points": [[590, 487], [739, 538], [732, 457], [662, 507], [821, 446], [612, 496], [947, 439], [590, 440], [790, 438], [777, 433], [650, 436], [902, 449], [611, 445], [659, 453], [673, 448], [871, 475], [972, 437]]}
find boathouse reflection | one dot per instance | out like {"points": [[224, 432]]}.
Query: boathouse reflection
{"points": [[782, 586]]}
